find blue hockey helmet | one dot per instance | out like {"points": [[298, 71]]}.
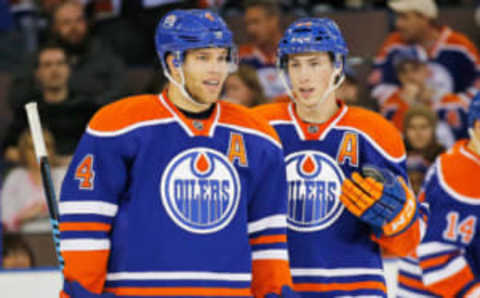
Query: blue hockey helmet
{"points": [[312, 35], [474, 110], [181, 30]]}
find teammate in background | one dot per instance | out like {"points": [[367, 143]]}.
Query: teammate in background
{"points": [[178, 194], [450, 251], [335, 252]]}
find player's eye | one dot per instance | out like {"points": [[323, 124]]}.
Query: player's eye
{"points": [[294, 65], [314, 64], [222, 58], [202, 57]]}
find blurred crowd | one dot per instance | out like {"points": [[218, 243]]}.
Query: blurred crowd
{"points": [[74, 56]]}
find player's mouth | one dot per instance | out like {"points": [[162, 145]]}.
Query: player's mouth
{"points": [[212, 85], [306, 92]]}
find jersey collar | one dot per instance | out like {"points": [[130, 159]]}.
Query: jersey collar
{"points": [[193, 127], [312, 131]]}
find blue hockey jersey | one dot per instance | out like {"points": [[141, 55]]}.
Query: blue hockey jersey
{"points": [[449, 255], [332, 252], [155, 204]]}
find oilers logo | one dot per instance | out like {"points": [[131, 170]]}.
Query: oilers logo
{"points": [[200, 190], [314, 186]]}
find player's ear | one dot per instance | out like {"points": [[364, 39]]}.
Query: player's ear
{"points": [[172, 68]]}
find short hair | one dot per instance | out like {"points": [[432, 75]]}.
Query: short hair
{"points": [[51, 45], [271, 7], [25, 143], [15, 242]]}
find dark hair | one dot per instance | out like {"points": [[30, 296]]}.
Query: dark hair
{"points": [[15, 242], [51, 45], [271, 7]]}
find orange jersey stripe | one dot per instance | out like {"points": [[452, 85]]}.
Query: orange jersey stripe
{"points": [[167, 291], [269, 239], [434, 262], [451, 286], [318, 287], [89, 268], [410, 282], [84, 226]]}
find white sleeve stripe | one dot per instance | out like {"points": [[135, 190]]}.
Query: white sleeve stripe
{"points": [[474, 292], [88, 207], [268, 254], [270, 222], [84, 244], [451, 269], [409, 268], [179, 275], [335, 272], [431, 248]]}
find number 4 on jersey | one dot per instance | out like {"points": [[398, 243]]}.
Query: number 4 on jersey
{"points": [[466, 228], [85, 174]]}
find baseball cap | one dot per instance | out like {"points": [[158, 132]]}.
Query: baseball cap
{"points": [[427, 8]]}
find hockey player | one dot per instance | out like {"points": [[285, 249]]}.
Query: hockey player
{"points": [[177, 195], [449, 254], [328, 147]]}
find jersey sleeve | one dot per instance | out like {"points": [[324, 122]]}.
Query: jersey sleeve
{"points": [[267, 225], [89, 201], [446, 269]]}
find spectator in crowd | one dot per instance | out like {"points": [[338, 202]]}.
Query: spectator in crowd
{"points": [[262, 20], [24, 207], [453, 60], [63, 112], [419, 133], [16, 253], [96, 72], [244, 88], [451, 109], [417, 168]]}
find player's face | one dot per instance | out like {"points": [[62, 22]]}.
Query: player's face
{"points": [[309, 74], [420, 133], [410, 25], [53, 70], [205, 72]]}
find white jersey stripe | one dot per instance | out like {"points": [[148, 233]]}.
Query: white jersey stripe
{"points": [[179, 275], [271, 222], [88, 207], [267, 254], [410, 268], [432, 248], [451, 269], [404, 293], [84, 244], [322, 272]]}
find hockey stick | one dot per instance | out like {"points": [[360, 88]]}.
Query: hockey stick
{"points": [[41, 154]]}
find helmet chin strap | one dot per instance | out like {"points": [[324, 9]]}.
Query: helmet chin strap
{"points": [[181, 86], [332, 86]]}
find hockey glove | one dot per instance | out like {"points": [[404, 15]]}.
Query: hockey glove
{"points": [[382, 200], [287, 292], [75, 290]]}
